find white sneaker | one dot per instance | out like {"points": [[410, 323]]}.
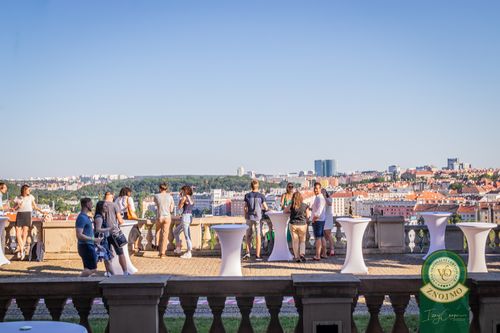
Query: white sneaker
{"points": [[18, 255], [126, 273], [23, 255], [186, 255], [177, 251]]}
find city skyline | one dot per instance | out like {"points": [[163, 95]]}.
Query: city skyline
{"points": [[154, 88]]}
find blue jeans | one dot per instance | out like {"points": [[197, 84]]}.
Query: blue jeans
{"points": [[318, 229], [184, 226]]}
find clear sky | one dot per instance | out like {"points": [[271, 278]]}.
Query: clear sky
{"points": [[202, 87]]}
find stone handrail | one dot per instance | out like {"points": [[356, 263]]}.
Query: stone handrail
{"points": [[138, 303]]}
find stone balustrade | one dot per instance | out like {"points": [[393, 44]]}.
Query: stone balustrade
{"points": [[138, 303]]}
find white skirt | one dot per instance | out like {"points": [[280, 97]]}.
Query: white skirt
{"points": [[329, 223]]}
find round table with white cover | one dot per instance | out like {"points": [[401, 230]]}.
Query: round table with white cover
{"points": [[41, 327], [436, 224], [126, 227], [281, 251], [354, 229], [476, 234], [230, 239]]}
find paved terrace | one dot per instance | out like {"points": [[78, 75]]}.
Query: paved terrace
{"points": [[387, 264]]}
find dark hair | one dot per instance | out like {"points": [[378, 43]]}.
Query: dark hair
{"points": [[163, 187], [297, 200], [84, 202], [107, 193], [317, 184], [23, 189], [125, 192], [99, 207], [187, 190], [2, 184], [327, 195], [254, 183]]}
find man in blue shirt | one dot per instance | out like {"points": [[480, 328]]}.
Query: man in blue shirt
{"points": [[86, 240], [3, 209]]}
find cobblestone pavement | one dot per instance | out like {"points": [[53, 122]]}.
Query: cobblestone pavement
{"points": [[400, 264]]}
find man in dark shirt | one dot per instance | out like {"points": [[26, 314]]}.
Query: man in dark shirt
{"points": [[86, 240], [255, 203]]}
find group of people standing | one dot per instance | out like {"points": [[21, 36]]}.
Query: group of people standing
{"points": [[99, 234], [320, 213]]}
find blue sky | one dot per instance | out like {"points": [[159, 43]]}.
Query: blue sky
{"points": [[201, 87]]}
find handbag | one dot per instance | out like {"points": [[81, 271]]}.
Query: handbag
{"points": [[119, 238], [131, 215]]}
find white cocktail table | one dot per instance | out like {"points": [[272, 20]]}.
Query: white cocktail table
{"points": [[476, 234], [41, 327], [126, 227], [281, 252], [3, 259], [354, 229], [230, 239], [436, 224]]}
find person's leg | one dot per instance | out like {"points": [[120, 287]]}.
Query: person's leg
{"points": [[295, 241], [123, 263], [19, 239], [248, 237], [258, 240], [301, 233], [157, 234], [25, 240], [162, 234], [329, 238], [109, 267], [323, 247], [187, 233]]}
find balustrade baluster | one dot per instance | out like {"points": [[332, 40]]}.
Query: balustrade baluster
{"points": [[399, 303], [217, 306], [338, 235], [497, 239], [27, 306], [189, 307], [274, 304], [245, 305], [84, 305], [474, 306], [55, 305], [207, 237], [417, 299], [354, 329], [4, 306], [374, 303], [411, 236], [162, 307], [300, 309], [106, 306]]}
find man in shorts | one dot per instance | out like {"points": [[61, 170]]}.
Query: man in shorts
{"points": [[255, 203], [86, 241]]}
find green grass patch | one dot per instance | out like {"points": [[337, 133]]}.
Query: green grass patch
{"points": [[174, 325]]}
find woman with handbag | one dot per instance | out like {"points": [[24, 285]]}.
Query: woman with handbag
{"points": [[127, 208], [103, 230], [186, 203]]}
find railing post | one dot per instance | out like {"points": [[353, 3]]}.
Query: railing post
{"points": [[326, 300], [486, 287], [133, 302]]}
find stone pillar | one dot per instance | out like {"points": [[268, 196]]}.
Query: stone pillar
{"points": [[133, 302], [390, 234], [486, 289], [326, 300]]}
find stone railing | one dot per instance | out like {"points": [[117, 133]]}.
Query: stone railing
{"points": [[138, 303], [417, 239]]}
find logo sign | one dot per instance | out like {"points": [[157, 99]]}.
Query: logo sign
{"points": [[444, 298]]}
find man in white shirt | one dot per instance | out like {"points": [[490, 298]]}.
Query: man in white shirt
{"points": [[318, 219], [165, 207]]}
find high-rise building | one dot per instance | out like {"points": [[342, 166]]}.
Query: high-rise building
{"points": [[240, 171], [318, 168], [325, 168], [452, 163]]}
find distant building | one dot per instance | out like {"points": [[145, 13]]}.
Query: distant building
{"points": [[240, 171], [451, 163], [394, 169], [325, 168]]}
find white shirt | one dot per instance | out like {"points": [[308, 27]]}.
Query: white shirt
{"points": [[1, 204], [318, 208], [25, 203], [122, 204]]}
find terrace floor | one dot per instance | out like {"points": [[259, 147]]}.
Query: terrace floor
{"points": [[389, 264]]}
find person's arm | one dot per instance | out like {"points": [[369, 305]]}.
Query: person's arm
{"points": [[308, 213], [98, 225], [264, 205], [282, 203], [329, 201], [315, 208], [130, 203], [35, 207], [287, 209], [81, 236], [119, 217], [181, 202], [172, 206], [245, 207]]}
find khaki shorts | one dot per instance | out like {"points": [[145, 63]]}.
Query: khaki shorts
{"points": [[251, 224]]}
